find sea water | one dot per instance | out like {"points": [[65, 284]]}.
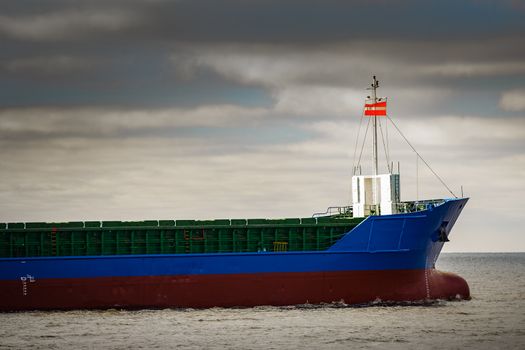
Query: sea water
{"points": [[493, 319]]}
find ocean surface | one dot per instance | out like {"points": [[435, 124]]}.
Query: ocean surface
{"points": [[493, 319]]}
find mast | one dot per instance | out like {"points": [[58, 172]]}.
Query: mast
{"points": [[375, 85]]}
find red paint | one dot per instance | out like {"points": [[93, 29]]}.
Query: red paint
{"points": [[375, 109], [201, 291]]}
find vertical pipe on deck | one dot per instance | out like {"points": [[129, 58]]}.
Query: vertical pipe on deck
{"points": [[147, 242], [132, 242], [304, 239], [25, 244], [41, 243], [102, 243], [317, 237], [58, 242], [117, 242], [220, 239], [205, 237], [11, 243], [247, 239], [231, 240], [191, 240], [162, 246], [86, 239]]}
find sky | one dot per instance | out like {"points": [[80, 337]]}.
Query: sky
{"points": [[134, 110]]}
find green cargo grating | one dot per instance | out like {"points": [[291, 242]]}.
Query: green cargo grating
{"points": [[171, 236]]}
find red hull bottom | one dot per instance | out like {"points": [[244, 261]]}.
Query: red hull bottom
{"points": [[203, 291]]}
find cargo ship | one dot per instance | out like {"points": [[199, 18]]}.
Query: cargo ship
{"points": [[378, 248]]}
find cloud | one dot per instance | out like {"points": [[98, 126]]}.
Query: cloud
{"points": [[291, 21], [470, 69], [65, 24], [318, 101], [344, 63], [104, 122], [52, 65], [513, 100], [465, 131], [278, 66], [116, 52], [463, 136]]}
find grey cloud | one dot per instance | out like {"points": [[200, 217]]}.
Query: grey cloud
{"points": [[513, 100], [292, 21], [48, 66], [345, 62], [473, 69], [20, 124], [65, 24], [117, 52], [327, 80], [317, 22]]}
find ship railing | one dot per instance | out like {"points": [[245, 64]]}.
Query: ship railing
{"points": [[415, 206], [372, 209], [331, 211]]}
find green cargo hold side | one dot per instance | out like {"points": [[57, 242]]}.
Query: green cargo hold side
{"points": [[171, 236]]}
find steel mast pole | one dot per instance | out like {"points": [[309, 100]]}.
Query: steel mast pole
{"points": [[375, 85]]}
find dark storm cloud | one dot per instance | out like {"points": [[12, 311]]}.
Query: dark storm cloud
{"points": [[266, 21], [171, 53]]}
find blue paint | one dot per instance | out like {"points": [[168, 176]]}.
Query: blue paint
{"points": [[393, 242]]}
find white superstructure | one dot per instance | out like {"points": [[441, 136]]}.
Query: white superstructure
{"points": [[375, 194]]}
